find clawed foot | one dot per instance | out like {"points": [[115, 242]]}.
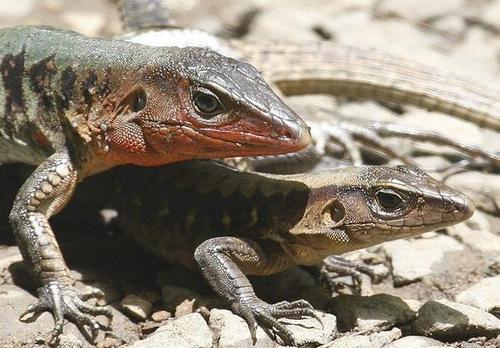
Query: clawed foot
{"points": [[67, 302], [257, 311], [337, 266]]}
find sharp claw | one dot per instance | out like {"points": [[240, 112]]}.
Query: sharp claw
{"points": [[253, 333], [318, 318], [92, 294], [34, 309], [64, 301], [256, 311], [95, 310], [108, 314], [302, 304], [56, 333], [94, 328]]}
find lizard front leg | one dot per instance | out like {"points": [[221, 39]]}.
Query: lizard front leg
{"points": [[224, 261], [45, 193]]}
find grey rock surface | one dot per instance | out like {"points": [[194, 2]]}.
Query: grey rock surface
{"points": [[14, 333], [136, 306], [446, 320], [374, 340], [476, 232], [190, 331], [482, 188], [463, 131], [417, 11], [415, 342], [414, 260], [491, 13], [377, 312], [485, 294], [231, 331], [309, 331]]}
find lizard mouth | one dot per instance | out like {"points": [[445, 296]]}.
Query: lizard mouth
{"points": [[253, 142]]}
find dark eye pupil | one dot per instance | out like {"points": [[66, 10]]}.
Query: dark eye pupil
{"points": [[206, 103], [140, 100], [388, 200], [337, 211]]}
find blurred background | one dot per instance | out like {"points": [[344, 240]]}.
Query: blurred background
{"points": [[459, 35]]}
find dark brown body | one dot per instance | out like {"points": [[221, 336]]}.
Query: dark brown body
{"points": [[232, 224], [173, 209]]}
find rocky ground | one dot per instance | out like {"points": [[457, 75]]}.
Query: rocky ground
{"points": [[441, 289]]}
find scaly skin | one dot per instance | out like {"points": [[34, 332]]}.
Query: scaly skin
{"points": [[298, 68], [326, 68], [322, 67], [76, 106], [232, 224]]}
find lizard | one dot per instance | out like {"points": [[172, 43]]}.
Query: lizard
{"points": [[75, 106], [231, 224], [323, 67]]}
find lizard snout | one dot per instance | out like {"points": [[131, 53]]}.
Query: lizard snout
{"points": [[463, 206], [297, 132]]}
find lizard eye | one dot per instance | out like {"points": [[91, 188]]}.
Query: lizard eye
{"points": [[388, 199], [207, 103], [140, 100]]}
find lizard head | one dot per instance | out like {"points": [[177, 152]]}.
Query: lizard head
{"points": [[357, 207], [195, 103]]}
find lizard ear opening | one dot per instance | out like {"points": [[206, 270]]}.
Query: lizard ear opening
{"points": [[135, 101], [335, 212]]}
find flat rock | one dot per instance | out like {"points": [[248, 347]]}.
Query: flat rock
{"points": [[476, 232], [452, 25], [446, 320], [90, 24], [16, 9], [359, 29], [231, 330], [377, 312], [14, 300], [413, 260], [490, 14], [417, 10], [415, 342], [448, 126], [368, 111], [273, 24], [136, 306], [476, 57], [189, 331], [311, 332], [375, 340], [160, 316], [485, 294], [430, 163], [482, 188]]}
